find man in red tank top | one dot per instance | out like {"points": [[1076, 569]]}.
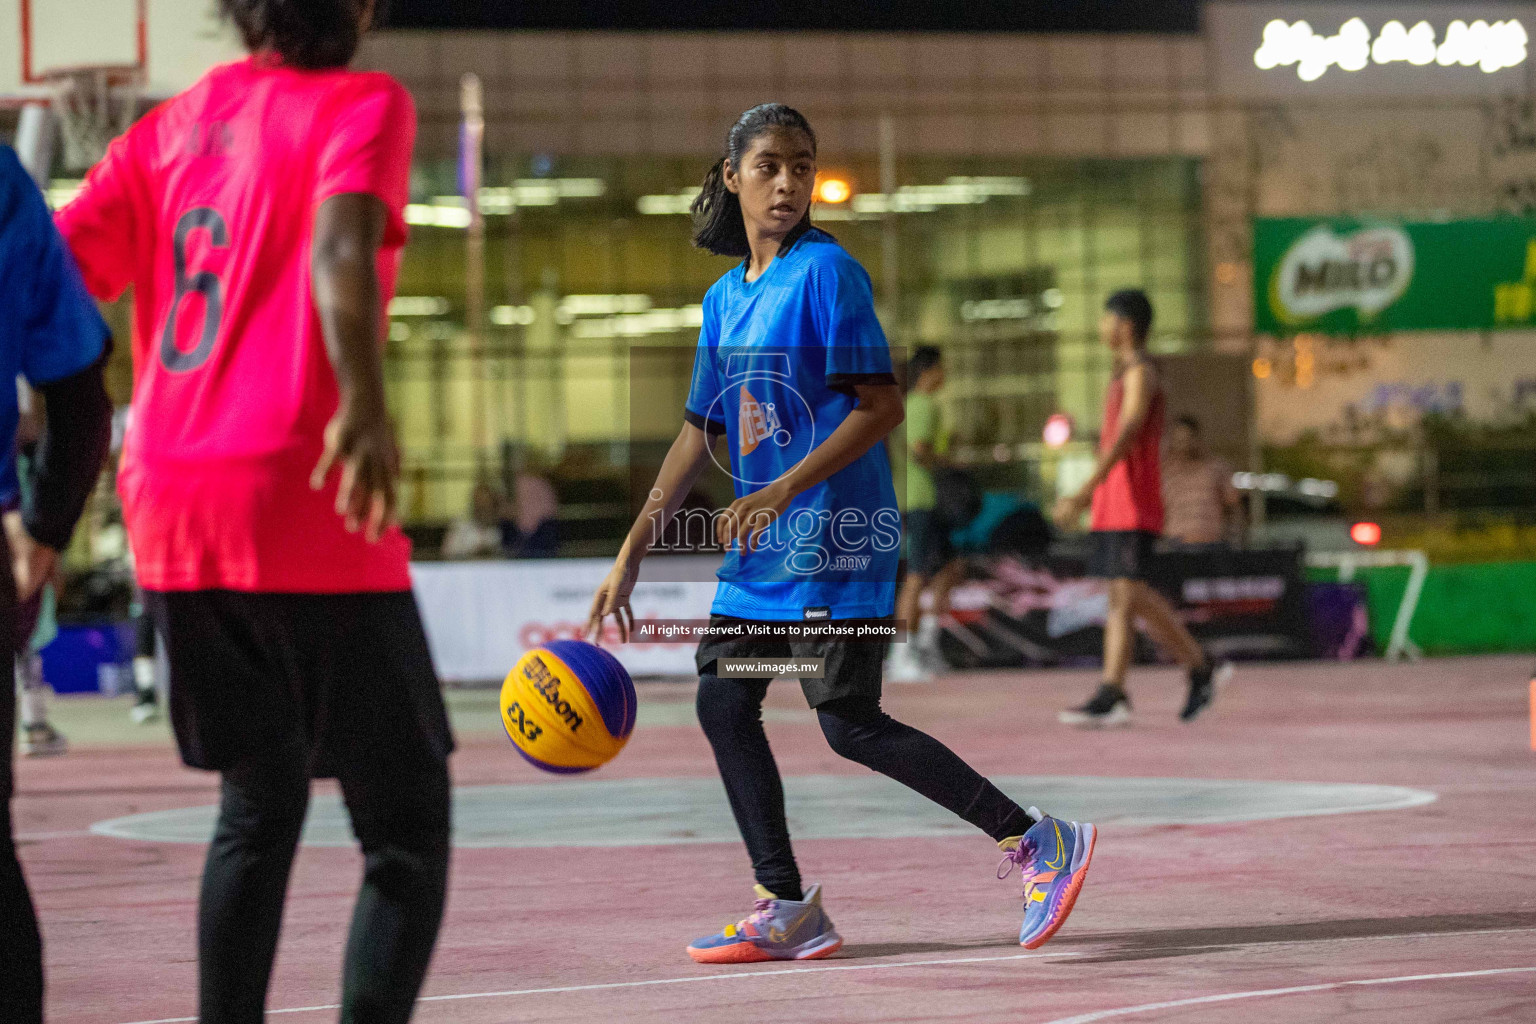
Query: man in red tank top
{"points": [[1126, 497]]}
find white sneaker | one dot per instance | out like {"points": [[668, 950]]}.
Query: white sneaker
{"points": [[905, 666], [145, 709], [42, 740]]}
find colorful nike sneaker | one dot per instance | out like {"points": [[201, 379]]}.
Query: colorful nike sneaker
{"points": [[1053, 859], [777, 930]]}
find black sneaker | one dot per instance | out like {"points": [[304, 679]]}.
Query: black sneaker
{"points": [[1108, 707], [146, 708], [1203, 683]]}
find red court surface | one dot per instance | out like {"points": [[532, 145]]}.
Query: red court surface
{"points": [[1425, 913]]}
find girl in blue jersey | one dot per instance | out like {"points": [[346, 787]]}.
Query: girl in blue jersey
{"points": [[793, 370]]}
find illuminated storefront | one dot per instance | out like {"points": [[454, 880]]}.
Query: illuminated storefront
{"points": [[1024, 178]]}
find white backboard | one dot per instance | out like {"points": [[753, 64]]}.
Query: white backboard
{"points": [[171, 42]]}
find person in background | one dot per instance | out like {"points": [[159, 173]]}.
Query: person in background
{"points": [[931, 562], [1201, 506], [477, 534], [533, 531], [56, 339], [36, 621], [1126, 495], [146, 672]]}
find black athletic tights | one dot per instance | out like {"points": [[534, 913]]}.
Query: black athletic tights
{"points": [[731, 712], [401, 822], [21, 946]]}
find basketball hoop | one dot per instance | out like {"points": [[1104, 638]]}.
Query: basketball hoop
{"points": [[94, 105]]}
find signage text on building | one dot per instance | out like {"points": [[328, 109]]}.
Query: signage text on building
{"points": [[1490, 46]]}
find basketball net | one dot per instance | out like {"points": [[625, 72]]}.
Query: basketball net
{"points": [[94, 105]]}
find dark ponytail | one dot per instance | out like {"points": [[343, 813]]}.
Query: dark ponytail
{"points": [[311, 34], [717, 222]]}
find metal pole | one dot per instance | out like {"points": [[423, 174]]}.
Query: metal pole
{"points": [[37, 135], [890, 274], [472, 145]]}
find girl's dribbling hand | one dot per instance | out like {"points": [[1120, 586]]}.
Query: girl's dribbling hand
{"points": [[749, 517], [612, 598]]}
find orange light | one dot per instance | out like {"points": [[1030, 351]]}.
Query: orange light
{"points": [[1367, 534], [833, 190], [1262, 368]]}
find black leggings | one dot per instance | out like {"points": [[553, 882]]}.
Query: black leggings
{"points": [[21, 945], [731, 712], [400, 819]]}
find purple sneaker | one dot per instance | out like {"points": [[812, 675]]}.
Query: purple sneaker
{"points": [[777, 930], [1053, 859]]}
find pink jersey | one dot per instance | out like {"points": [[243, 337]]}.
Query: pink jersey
{"points": [[207, 208]]}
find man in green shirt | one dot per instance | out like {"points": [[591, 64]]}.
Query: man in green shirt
{"points": [[931, 560]]}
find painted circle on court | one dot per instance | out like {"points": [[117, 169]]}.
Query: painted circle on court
{"points": [[668, 811]]}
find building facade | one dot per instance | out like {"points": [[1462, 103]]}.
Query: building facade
{"points": [[999, 186]]}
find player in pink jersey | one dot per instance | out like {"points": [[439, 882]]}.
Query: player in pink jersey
{"points": [[258, 216]]}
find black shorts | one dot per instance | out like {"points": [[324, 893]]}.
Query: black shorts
{"points": [[1122, 555], [928, 546], [853, 667], [349, 675]]}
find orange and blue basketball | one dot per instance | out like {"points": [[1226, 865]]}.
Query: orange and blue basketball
{"points": [[568, 706]]}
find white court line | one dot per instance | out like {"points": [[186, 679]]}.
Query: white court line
{"points": [[876, 967], [1126, 1011], [669, 981], [32, 837]]}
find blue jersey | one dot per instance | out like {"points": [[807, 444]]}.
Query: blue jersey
{"points": [[777, 361], [52, 328]]}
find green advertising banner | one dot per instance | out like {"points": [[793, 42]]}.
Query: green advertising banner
{"points": [[1370, 276]]}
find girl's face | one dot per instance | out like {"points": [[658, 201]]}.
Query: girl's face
{"points": [[775, 180]]}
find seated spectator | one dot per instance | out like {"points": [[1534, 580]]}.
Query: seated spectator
{"points": [[1200, 504], [533, 531], [477, 534]]}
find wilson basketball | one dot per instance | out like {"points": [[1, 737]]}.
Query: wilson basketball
{"points": [[568, 706]]}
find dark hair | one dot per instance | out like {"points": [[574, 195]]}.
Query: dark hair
{"points": [[717, 222], [1188, 421], [302, 33], [1135, 308], [924, 358]]}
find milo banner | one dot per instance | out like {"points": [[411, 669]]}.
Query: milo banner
{"points": [[1369, 276]]}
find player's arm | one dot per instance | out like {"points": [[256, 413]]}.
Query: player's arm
{"points": [[686, 460], [360, 439], [1236, 523], [78, 432], [62, 346], [1139, 383], [879, 411]]}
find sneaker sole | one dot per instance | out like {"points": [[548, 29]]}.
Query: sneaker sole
{"points": [[1113, 720], [750, 953], [50, 750], [1069, 900]]}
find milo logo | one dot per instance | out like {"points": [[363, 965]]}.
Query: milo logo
{"points": [[548, 686], [1368, 270]]}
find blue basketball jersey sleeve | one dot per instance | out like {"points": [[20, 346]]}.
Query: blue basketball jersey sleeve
{"points": [[62, 331], [702, 406], [844, 311], [57, 330]]}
